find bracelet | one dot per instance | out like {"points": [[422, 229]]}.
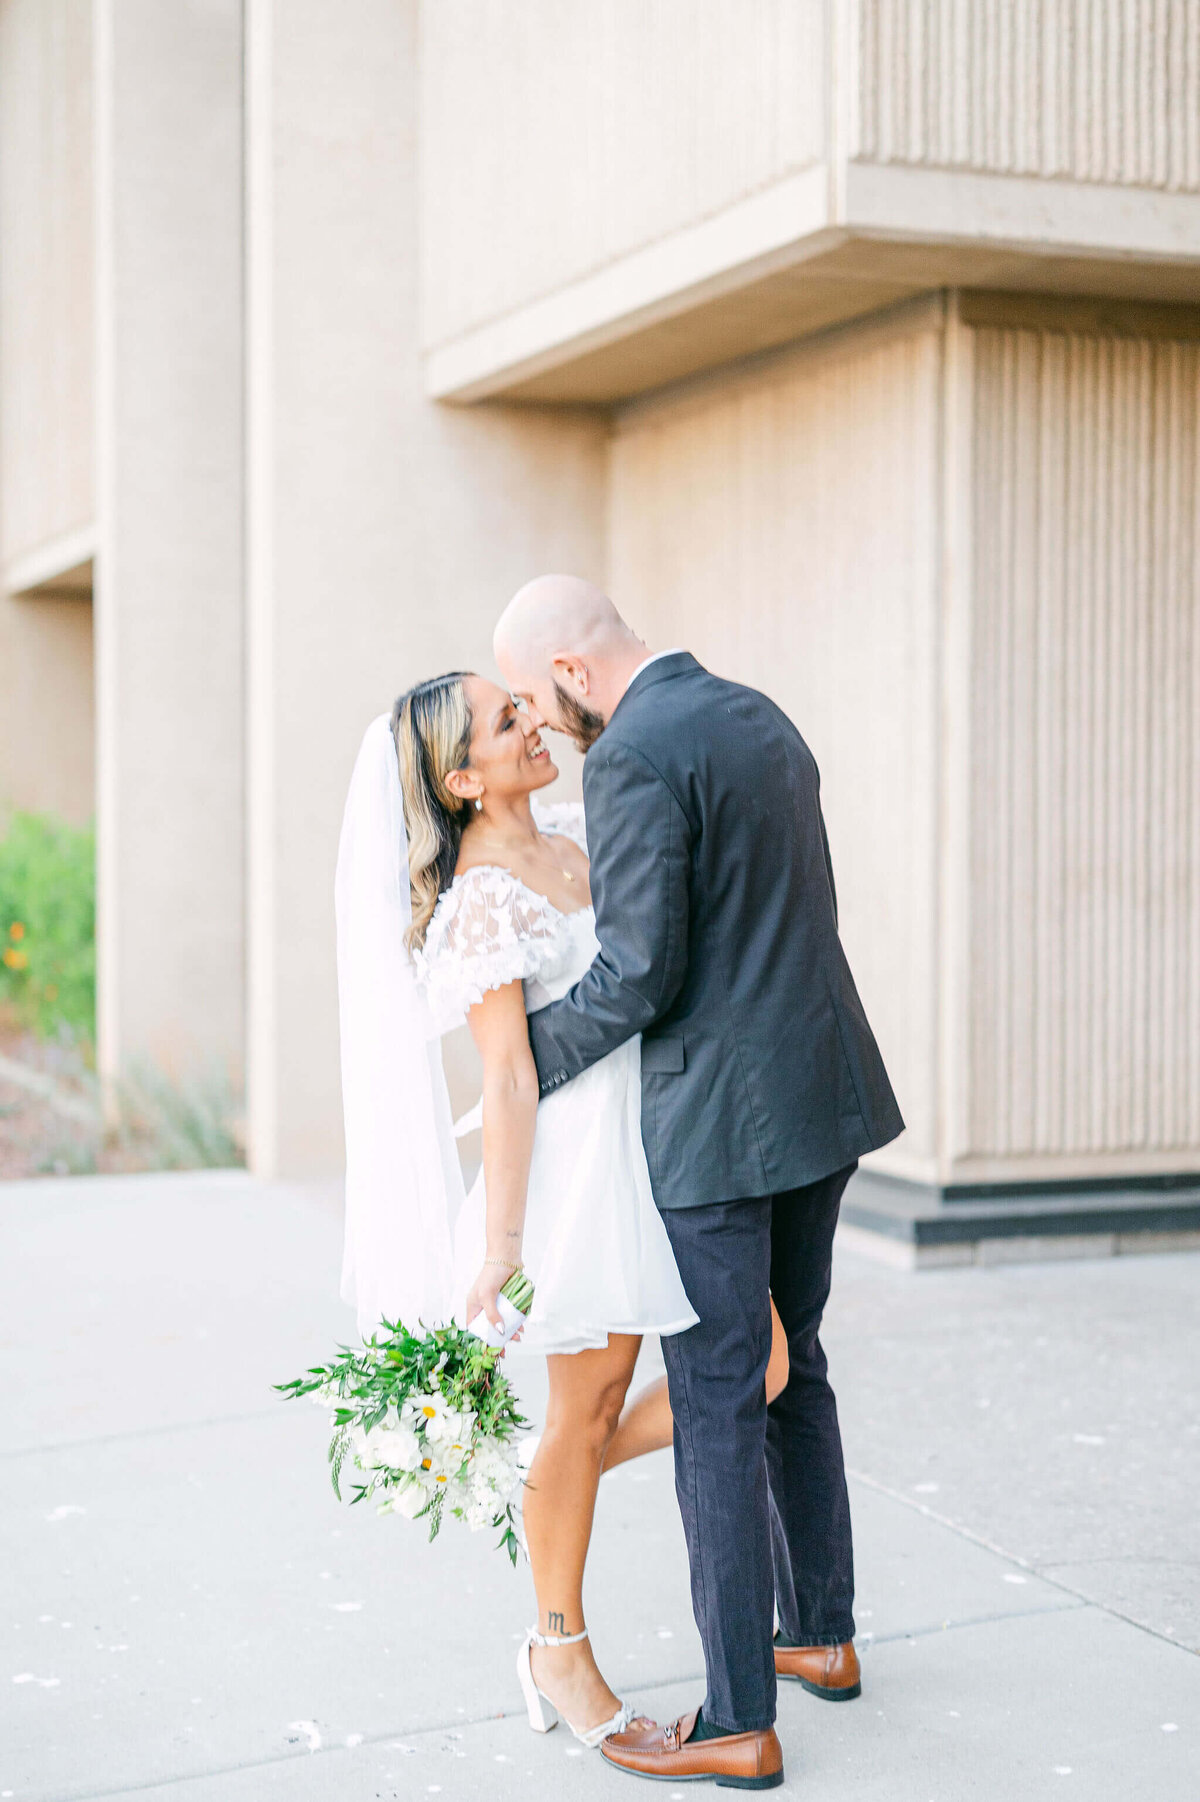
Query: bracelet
{"points": [[505, 1263]]}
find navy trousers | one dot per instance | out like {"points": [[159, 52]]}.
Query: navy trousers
{"points": [[762, 1491]]}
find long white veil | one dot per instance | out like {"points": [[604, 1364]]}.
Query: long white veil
{"points": [[403, 1180]]}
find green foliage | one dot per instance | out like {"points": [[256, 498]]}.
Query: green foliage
{"points": [[393, 1364], [48, 923], [68, 1154], [48, 985], [185, 1124]]}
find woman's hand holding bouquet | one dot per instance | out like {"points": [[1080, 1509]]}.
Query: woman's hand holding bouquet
{"points": [[429, 1422]]}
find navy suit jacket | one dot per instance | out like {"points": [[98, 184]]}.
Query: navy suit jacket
{"points": [[717, 920]]}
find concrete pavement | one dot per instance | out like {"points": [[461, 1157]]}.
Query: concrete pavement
{"points": [[190, 1615]]}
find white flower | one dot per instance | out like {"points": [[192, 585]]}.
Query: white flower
{"points": [[428, 1410], [449, 1425], [495, 1463], [410, 1500], [403, 1449], [368, 1451], [409, 1455], [439, 1465], [389, 1446], [440, 1421]]}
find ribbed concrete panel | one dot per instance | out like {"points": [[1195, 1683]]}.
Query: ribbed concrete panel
{"points": [[1092, 90], [1084, 1011], [782, 523], [556, 138], [46, 358]]}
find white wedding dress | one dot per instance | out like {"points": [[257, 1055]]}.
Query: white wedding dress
{"points": [[594, 1242]]}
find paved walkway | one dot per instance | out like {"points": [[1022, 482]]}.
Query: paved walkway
{"points": [[190, 1616]]}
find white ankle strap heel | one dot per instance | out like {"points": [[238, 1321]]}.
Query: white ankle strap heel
{"points": [[542, 1713], [548, 1639]]}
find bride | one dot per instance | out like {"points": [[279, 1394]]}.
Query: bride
{"points": [[460, 896]]}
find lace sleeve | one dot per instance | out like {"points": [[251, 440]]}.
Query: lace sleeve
{"points": [[561, 816], [488, 930]]}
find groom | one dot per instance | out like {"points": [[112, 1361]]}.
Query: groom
{"points": [[762, 1086]]}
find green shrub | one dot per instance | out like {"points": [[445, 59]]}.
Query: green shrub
{"points": [[189, 1123], [48, 923]]}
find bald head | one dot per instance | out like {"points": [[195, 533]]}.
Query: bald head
{"points": [[564, 649], [557, 613]]}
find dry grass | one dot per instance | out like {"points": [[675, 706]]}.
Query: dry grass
{"points": [[51, 1122]]}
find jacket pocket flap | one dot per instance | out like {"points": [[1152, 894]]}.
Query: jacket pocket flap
{"points": [[663, 1055]]}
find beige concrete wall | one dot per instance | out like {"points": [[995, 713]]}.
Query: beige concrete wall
{"points": [[46, 418], [620, 195], [558, 138], [783, 522], [47, 726], [169, 559], [1104, 91], [1083, 986], [384, 532], [968, 564]]}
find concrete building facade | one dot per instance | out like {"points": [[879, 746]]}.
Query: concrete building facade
{"points": [[855, 343]]}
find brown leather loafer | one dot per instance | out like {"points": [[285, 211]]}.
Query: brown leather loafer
{"points": [[735, 1760], [829, 1671]]}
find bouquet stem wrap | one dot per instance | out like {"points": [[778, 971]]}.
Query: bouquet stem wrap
{"points": [[512, 1304]]}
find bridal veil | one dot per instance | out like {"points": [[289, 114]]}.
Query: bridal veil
{"points": [[403, 1180]]}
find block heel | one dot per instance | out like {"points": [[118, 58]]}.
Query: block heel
{"points": [[772, 1780]]}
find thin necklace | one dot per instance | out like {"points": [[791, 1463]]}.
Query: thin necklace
{"points": [[561, 868]]}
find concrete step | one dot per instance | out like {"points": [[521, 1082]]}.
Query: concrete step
{"points": [[919, 1226]]}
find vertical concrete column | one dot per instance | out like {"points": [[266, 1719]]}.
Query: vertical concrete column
{"points": [[168, 90], [46, 490], [384, 533], [1076, 1055]]}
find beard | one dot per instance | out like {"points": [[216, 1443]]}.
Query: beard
{"points": [[578, 722]]}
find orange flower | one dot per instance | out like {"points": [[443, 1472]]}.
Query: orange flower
{"points": [[16, 960], [16, 930]]}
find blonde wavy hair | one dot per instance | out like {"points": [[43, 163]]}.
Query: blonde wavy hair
{"points": [[432, 727]]}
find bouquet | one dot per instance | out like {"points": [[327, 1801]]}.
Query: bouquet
{"points": [[428, 1421]]}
